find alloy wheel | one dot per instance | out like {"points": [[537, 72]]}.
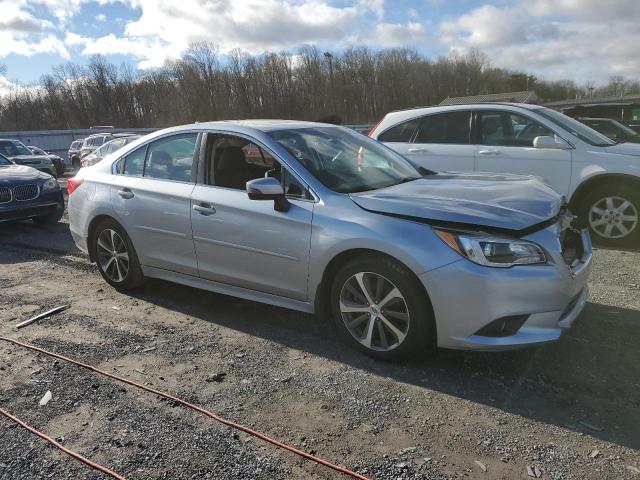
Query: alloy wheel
{"points": [[374, 311], [613, 217], [112, 254]]}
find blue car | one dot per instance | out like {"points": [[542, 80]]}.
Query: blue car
{"points": [[28, 193]]}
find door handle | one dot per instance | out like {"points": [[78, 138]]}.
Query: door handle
{"points": [[490, 151], [418, 150], [126, 193], [204, 209]]}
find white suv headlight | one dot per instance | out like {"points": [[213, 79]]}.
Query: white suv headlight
{"points": [[50, 184], [493, 251]]}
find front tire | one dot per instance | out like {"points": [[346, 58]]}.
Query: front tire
{"points": [[381, 309], [115, 257], [612, 214]]}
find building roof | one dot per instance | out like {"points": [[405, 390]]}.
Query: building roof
{"points": [[624, 99], [526, 96]]}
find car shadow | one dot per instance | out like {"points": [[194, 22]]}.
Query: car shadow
{"points": [[25, 237], [588, 381]]}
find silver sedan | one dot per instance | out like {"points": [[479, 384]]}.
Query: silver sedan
{"points": [[322, 219]]}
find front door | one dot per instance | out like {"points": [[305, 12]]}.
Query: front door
{"points": [[506, 146], [243, 242]]}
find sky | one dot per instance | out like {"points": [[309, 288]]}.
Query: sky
{"points": [[581, 40]]}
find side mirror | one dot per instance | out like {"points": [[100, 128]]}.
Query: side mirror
{"points": [[268, 189], [548, 142]]}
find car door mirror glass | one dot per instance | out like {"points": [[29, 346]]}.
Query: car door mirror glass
{"points": [[268, 189]]}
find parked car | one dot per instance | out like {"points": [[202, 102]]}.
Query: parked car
{"points": [[613, 129], [74, 153], [28, 193], [94, 141], [107, 148], [18, 153], [600, 178], [335, 223], [60, 164]]}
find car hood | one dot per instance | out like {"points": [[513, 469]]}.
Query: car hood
{"points": [[627, 148], [511, 203], [29, 159], [14, 174]]}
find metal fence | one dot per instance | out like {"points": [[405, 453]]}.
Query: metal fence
{"points": [[58, 141]]}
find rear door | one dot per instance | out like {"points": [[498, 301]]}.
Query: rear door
{"points": [[506, 146], [440, 142], [243, 242], [151, 195]]}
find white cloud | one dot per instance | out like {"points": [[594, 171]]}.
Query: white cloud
{"points": [[411, 34], [557, 38]]}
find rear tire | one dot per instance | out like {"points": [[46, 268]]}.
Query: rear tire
{"points": [[393, 319], [612, 214], [115, 256]]}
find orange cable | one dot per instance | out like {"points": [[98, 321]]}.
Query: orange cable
{"points": [[75, 455], [197, 408]]}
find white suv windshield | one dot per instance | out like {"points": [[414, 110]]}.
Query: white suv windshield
{"points": [[580, 130], [345, 161]]}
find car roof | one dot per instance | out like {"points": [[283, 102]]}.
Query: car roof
{"points": [[469, 106]]}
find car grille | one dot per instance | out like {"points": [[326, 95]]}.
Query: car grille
{"points": [[25, 192], [5, 194]]}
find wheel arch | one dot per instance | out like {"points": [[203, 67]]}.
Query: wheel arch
{"points": [[93, 225], [321, 301], [597, 181]]}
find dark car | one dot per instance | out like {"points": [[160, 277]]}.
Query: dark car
{"points": [[74, 152], [28, 193], [613, 129], [18, 153], [58, 162]]}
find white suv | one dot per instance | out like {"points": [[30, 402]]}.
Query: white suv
{"points": [[600, 178]]}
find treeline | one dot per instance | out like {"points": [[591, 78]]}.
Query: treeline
{"points": [[358, 85]]}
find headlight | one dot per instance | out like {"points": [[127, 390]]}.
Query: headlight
{"points": [[50, 184], [493, 251]]}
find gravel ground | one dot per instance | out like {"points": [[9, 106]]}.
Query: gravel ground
{"points": [[568, 410]]}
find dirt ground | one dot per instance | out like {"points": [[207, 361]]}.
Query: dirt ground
{"points": [[567, 410]]}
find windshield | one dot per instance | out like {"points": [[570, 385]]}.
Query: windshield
{"points": [[12, 148], [345, 161], [580, 130], [628, 132], [4, 162]]}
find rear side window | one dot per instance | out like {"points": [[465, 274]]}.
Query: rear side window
{"points": [[171, 158], [134, 162], [403, 132], [448, 128]]}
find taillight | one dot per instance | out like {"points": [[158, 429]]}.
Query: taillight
{"points": [[72, 184], [375, 126]]}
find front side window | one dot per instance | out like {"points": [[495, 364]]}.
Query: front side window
{"points": [[402, 132], [509, 129], [233, 161], [171, 158], [345, 161], [446, 128]]}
